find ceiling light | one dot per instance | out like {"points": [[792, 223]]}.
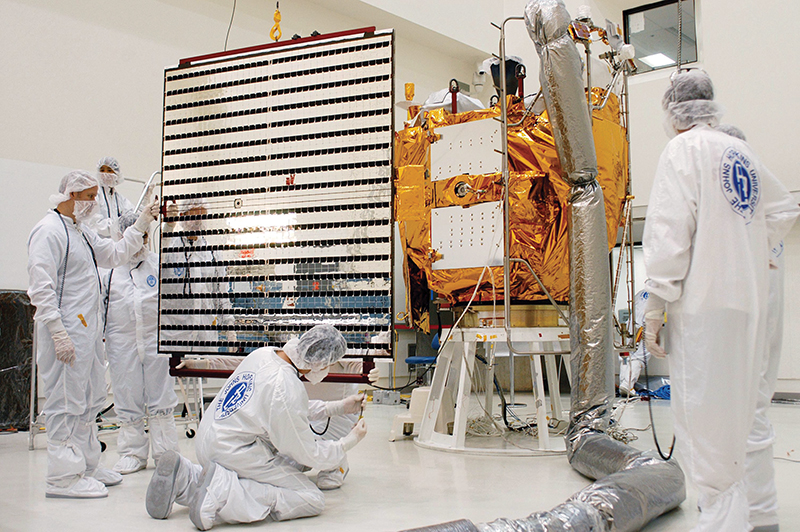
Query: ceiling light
{"points": [[657, 60]]}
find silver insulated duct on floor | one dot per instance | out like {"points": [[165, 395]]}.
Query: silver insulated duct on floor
{"points": [[632, 487]]}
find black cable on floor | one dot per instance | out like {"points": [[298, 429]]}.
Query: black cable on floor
{"points": [[650, 409]]}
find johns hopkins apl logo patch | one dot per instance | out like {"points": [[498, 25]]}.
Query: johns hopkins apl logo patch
{"points": [[740, 183], [151, 280], [235, 394]]}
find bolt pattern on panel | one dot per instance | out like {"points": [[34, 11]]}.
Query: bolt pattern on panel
{"points": [[278, 193]]}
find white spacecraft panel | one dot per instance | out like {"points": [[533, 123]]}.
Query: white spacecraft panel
{"points": [[471, 148], [468, 237], [286, 155]]}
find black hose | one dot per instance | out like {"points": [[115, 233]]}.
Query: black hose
{"points": [[650, 410]]}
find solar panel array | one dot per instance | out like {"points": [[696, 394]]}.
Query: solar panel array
{"points": [[277, 183]]}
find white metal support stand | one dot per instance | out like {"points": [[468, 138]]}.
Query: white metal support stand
{"points": [[194, 406], [444, 424]]}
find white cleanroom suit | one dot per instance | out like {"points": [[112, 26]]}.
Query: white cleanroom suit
{"points": [[255, 442], [762, 494], [266, 445], [715, 212], [64, 285], [328, 428], [112, 204], [140, 378], [631, 366]]}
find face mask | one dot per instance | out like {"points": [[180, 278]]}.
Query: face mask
{"points": [[84, 209], [108, 179], [316, 376]]}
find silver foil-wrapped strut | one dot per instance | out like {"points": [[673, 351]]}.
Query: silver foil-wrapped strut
{"points": [[562, 85]]}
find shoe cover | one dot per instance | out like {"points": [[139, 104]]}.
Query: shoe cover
{"points": [[163, 487], [334, 478], [129, 464], [85, 488], [204, 505], [106, 476]]}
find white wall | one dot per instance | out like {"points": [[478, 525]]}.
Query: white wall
{"points": [[83, 79]]}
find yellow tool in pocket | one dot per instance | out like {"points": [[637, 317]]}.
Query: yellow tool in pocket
{"points": [[83, 320]]}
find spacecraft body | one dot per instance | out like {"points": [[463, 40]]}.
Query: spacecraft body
{"points": [[449, 198]]}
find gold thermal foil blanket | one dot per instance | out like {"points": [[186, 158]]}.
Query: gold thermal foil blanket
{"points": [[538, 203]]}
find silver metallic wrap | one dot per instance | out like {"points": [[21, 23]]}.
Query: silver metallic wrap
{"points": [[560, 76], [590, 311], [590, 283], [462, 525], [571, 516], [624, 501]]}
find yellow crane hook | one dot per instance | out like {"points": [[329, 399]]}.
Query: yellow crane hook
{"points": [[275, 32]]}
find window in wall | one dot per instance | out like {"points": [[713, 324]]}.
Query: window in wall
{"points": [[653, 30]]}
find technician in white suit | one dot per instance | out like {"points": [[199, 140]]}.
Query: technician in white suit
{"points": [[143, 389], [111, 204], [630, 367], [762, 493], [63, 256], [194, 272], [715, 213], [255, 442], [326, 428]]}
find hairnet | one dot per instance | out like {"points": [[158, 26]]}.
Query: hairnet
{"points": [[688, 101], [733, 131], [75, 181], [686, 86], [682, 116], [112, 163], [126, 220], [317, 348]]}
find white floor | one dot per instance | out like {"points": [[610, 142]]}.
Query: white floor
{"points": [[391, 486]]}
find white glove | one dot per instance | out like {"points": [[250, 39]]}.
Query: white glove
{"points": [[349, 405], [374, 375], [65, 349], [653, 322], [355, 436], [193, 363], [148, 214]]}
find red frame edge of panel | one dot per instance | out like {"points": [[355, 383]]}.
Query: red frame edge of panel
{"points": [[355, 378], [189, 60]]}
